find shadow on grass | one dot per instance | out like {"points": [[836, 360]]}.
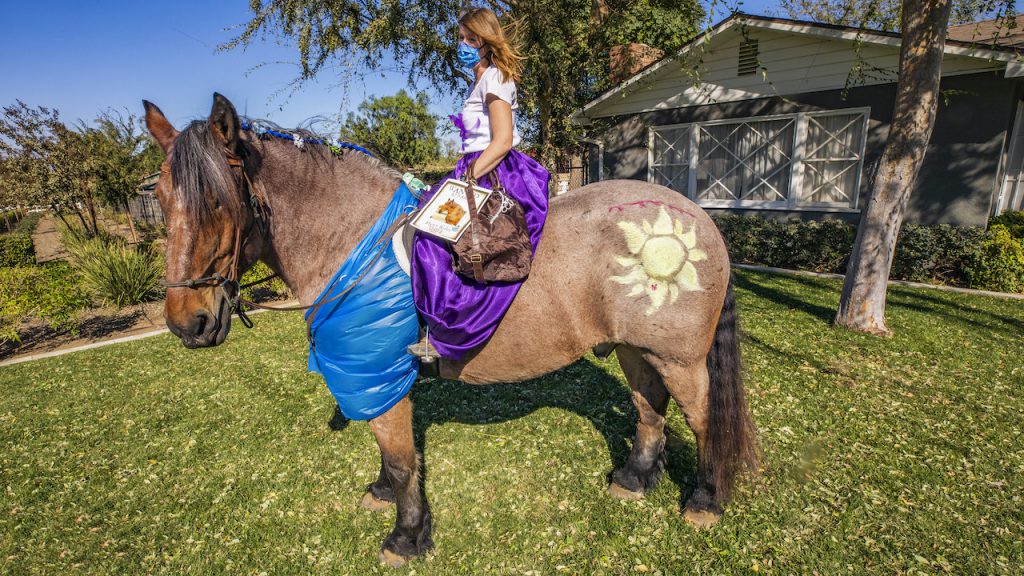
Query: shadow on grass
{"points": [[95, 328], [584, 388], [919, 301], [787, 299]]}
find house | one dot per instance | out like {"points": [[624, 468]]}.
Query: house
{"points": [[144, 207], [789, 118]]}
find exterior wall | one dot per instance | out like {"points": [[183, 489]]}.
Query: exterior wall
{"points": [[791, 64], [956, 182]]}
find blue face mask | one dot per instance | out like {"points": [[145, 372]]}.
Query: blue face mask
{"points": [[468, 55]]}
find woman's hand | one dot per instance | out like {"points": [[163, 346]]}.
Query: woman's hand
{"points": [[500, 113]]}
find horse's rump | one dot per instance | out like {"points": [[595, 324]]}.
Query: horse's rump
{"points": [[607, 250]]}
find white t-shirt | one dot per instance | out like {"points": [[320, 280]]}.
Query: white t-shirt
{"points": [[476, 128]]}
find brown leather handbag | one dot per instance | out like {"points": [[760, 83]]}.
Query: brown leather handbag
{"points": [[497, 246]]}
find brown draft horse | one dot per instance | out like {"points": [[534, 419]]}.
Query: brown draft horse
{"points": [[623, 265]]}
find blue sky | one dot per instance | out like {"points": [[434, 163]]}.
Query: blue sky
{"points": [[83, 57]]}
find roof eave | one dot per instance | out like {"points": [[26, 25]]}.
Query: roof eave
{"points": [[1010, 56]]}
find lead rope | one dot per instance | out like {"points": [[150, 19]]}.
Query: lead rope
{"points": [[380, 247]]}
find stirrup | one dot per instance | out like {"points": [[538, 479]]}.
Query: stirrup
{"points": [[424, 349]]}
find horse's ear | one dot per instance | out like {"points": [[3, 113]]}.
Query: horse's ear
{"points": [[224, 122], [159, 126]]}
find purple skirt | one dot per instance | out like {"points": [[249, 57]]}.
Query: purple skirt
{"points": [[460, 313]]}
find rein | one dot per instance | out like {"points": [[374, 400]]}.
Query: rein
{"points": [[229, 283]]}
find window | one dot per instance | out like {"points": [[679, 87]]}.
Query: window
{"points": [[832, 159], [746, 161], [671, 164], [806, 160]]}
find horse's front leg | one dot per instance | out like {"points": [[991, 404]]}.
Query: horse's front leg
{"points": [[411, 536], [379, 495]]}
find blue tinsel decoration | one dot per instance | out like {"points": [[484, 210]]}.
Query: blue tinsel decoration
{"points": [[246, 125]]}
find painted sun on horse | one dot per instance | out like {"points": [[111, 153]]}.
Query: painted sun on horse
{"points": [[623, 265]]}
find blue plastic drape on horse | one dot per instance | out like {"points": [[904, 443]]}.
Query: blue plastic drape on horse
{"points": [[359, 341]]}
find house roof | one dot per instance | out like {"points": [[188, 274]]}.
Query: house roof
{"points": [[966, 43], [990, 32], [148, 182]]}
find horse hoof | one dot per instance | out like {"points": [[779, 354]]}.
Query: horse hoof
{"points": [[623, 493], [374, 504], [391, 559], [701, 519]]}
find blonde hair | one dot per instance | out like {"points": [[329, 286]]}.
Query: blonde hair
{"points": [[503, 55]]}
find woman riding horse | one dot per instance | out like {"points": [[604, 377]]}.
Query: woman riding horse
{"points": [[624, 264], [462, 314]]}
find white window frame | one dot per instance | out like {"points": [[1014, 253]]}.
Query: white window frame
{"points": [[797, 163], [690, 157]]}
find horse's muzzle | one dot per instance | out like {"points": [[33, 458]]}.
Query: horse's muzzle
{"points": [[204, 328]]}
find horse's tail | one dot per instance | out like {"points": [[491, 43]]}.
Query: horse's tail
{"points": [[731, 448]]}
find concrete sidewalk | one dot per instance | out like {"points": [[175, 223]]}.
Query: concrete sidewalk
{"points": [[47, 241]]}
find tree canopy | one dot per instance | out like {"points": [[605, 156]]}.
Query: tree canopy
{"points": [[398, 127], [121, 154], [45, 162], [885, 14], [566, 44]]}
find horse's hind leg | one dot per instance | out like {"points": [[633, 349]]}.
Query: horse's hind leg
{"points": [[689, 388], [646, 462], [411, 536]]}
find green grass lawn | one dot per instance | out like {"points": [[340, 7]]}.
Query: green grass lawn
{"points": [[887, 456]]}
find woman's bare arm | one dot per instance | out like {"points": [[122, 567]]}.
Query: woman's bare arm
{"points": [[500, 113]]}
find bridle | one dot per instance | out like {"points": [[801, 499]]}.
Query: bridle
{"points": [[229, 282]]}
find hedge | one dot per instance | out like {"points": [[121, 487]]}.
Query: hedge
{"points": [[16, 250], [944, 254], [999, 263], [50, 292], [1014, 222], [271, 290]]}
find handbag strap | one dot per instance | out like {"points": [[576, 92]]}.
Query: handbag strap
{"points": [[492, 176], [475, 257]]}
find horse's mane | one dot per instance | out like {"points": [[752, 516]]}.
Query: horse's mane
{"points": [[198, 163]]}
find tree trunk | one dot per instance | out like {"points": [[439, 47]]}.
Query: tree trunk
{"points": [[862, 305], [91, 206], [131, 222], [67, 225], [85, 226]]}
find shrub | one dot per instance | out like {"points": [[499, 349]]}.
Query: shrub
{"points": [[275, 288], [49, 292], [999, 264], [935, 253], [27, 225], [115, 272], [823, 246], [819, 246], [1013, 220], [16, 250], [959, 255]]}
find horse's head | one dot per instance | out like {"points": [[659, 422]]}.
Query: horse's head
{"points": [[203, 192]]}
